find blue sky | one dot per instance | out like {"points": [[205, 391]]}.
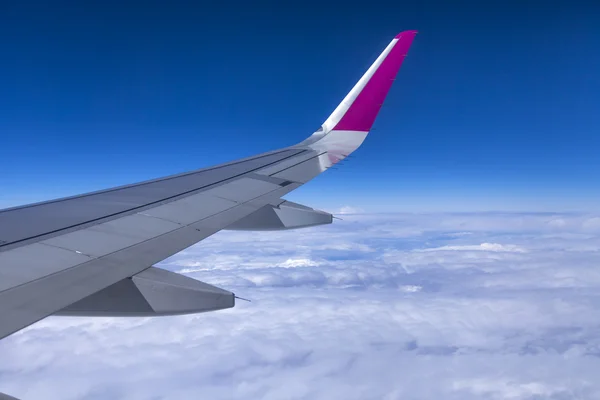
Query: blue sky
{"points": [[496, 107]]}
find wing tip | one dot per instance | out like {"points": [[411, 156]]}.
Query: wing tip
{"points": [[369, 93], [410, 33]]}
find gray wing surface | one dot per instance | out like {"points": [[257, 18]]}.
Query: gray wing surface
{"points": [[57, 253], [94, 254]]}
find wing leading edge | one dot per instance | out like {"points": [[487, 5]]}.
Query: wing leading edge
{"points": [[92, 253]]}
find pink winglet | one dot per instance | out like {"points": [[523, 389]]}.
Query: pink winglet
{"points": [[363, 111]]}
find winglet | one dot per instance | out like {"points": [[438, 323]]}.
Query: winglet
{"points": [[358, 110]]}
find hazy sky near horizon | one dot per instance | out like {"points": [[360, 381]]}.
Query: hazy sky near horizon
{"points": [[495, 108]]}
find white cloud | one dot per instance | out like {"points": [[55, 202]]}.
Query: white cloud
{"points": [[496, 247], [298, 262], [509, 389], [486, 306], [592, 224], [411, 288], [557, 223], [349, 210]]}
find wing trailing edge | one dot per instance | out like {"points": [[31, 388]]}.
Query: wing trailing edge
{"points": [[284, 216]]}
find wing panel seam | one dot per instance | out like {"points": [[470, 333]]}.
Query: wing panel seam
{"points": [[132, 210], [92, 258], [153, 180], [301, 162]]}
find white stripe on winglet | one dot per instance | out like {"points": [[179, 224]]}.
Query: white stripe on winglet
{"points": [[341, 109]]}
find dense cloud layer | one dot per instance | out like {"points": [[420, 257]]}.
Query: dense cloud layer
{"points": [[454, 306]]}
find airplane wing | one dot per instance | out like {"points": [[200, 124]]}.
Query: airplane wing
{"points": [[93, 254]]}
